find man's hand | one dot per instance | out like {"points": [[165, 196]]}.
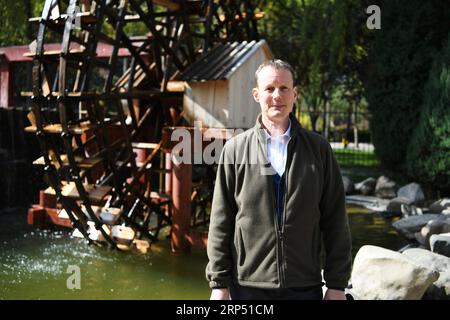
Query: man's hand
{"points": [[333, 294], [220, 294]]}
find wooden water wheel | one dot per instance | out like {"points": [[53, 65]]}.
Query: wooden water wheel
{"points": [[103, 113]]}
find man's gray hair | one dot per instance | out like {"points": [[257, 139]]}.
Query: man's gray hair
{"points": [[277, 64]]}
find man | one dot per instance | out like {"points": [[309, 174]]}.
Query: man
{"points": [[270, 217]]}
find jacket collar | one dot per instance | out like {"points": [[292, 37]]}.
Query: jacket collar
{"points": [[261, 132]]}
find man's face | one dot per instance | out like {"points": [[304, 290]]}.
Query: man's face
{"points": [[275, 93]]}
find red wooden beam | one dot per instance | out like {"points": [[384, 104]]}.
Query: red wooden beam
{"points": [[16, 53], [45, 217], [181, 199], [5, 83]]}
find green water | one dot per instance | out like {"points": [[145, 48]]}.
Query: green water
{"points": [[370, 228], [34, 263]]}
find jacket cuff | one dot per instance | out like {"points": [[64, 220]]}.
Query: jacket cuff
{"points": [[218, 284], [338, 285], [336, 288]]}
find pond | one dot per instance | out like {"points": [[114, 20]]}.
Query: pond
{"points": [[34, 263]]}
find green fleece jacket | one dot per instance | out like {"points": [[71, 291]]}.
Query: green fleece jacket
{"points": [[245, 243]]}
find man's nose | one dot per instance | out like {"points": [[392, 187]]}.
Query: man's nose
{"points": [[276, 93]]}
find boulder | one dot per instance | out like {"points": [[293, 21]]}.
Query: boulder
{"points": [[386, 188], [439, 290], [408, 226], [394, 205], [440, 243], [428, 259], [432, 227], [348, 185], [410, 210], [382, 274], [366, 187], [440, 205], [369, 202], [413, 192]]}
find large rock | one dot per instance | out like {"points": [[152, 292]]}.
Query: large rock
{"points": [[424, 258], [369, 202], [408, 226], [440, 290], [413, 192], [366, 187], [410, 210], [440, 243], [386, 188], [395, 205], [432, 227], [440, 205], [348, 185], [382, 274], [428, 259]]}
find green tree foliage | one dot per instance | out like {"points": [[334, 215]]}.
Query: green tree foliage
{"points": [[428, 157], [14, 17], [325, 41], [400, 58]]}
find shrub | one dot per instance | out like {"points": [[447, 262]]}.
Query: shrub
{"points": [[428, 157], [401, 58]]}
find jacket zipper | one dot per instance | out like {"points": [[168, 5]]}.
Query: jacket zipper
{"points": [[283, 217], [279, 241], [279, 230]]}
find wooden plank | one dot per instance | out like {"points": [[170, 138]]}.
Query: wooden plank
{"points": [[207, 102], [123, 235], [108, 216], [54, 217], [55, 53], [144, 145], [43, 217], [175, 86], [161, 196], [172, 6], [81, 162], [57, 128], [111, 96], [95, 193], [243, 108], [36, 216], [85, 18]]}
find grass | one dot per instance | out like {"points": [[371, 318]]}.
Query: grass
{"points": [[356, 158]]}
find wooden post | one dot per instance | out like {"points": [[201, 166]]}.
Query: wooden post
{"points": [[168, 166], [5, 83], [181, 198], [47, 200]]}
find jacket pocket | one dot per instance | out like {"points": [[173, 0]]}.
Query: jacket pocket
{"points": [[240, 247], [315, 247]]}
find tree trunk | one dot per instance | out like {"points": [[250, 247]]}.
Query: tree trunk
{"points": [[355, 126], [326, 119], [313, 116]]}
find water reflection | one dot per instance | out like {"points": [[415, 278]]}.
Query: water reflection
{"points": [[371, 228]]}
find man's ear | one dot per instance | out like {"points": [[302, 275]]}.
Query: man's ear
{"points": [[255, 94], [295, 92]]}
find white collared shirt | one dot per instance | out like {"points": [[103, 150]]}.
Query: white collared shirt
{"points": [[277, 150]]}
